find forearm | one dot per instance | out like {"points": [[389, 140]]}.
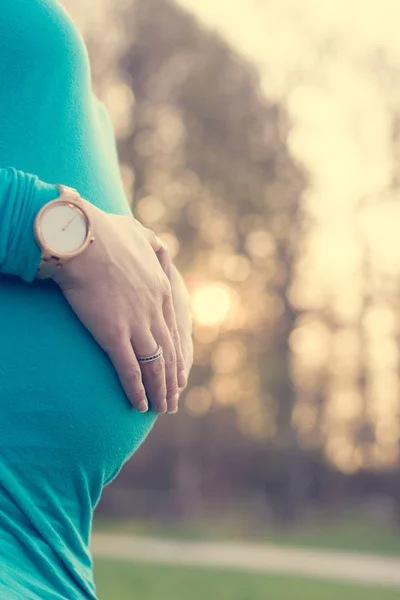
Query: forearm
{"points": [[22, 195]]}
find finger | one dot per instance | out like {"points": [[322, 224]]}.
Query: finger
{"points": [[164, 258], [159, 247], [155, 242], [170, 319], [162, 333], [128, 369], [187, 350], [153, 372]]}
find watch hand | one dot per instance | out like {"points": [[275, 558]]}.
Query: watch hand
{"points": [[70, 221]]}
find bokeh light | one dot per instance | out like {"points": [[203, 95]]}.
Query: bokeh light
{"points": [[212, 303]]}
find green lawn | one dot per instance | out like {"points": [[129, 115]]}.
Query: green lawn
{"points": [[349, 532], [125, 581]]}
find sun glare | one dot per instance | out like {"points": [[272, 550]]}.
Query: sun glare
{"points": [[212, 303]]}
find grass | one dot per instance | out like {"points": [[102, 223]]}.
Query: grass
{"points": [[351, 533], [126, 581]]}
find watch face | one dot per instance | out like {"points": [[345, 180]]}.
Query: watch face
{"points": [[64, 227]]}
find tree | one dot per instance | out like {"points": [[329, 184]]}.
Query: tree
{"points": [[211, 149]]}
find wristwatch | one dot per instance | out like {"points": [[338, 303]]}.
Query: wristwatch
{"points": [[63, 230]]}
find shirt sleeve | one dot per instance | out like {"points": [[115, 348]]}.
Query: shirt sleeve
{"points": [[22, 195]]}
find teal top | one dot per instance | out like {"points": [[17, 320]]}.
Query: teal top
{"points": [[66, 426]]}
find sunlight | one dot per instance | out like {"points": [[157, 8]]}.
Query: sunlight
{"points": [[212, 303]]}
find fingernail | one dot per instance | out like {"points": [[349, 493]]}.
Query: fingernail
{"points": [[174, 402], [143, 406], [163, 407]]}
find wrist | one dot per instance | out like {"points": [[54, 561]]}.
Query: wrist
{"points": [[22, 196]]}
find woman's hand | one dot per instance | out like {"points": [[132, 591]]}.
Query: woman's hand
{"points": [[120, 292], [181, 301]]}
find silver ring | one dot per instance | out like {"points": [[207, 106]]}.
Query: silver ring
{"points": [[158, 353]]}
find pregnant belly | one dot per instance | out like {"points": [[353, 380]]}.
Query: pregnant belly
{"points": [[61, 399]]}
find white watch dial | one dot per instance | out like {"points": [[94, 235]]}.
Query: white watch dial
{"points": [[63, 228]]}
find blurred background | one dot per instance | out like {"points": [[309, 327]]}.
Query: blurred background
{"points": [[261, 140]]}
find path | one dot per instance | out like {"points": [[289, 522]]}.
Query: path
{"points": [[319, 564]]}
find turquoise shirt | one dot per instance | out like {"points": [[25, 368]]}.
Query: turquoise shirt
{"points": [[66, 426]]}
